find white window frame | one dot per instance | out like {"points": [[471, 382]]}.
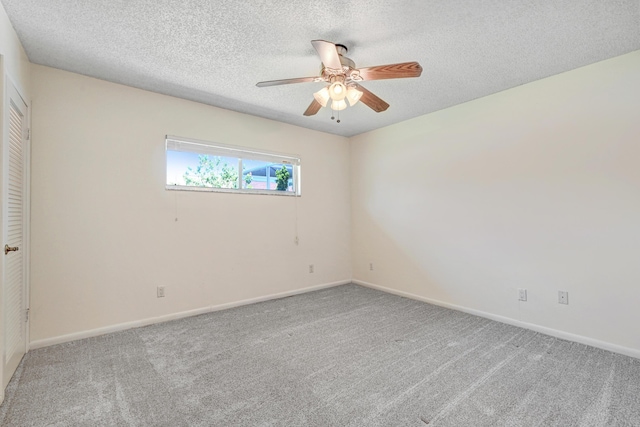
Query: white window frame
{"points": [[176, 143]]}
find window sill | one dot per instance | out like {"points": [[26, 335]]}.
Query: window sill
{"points": [[230, 190]]}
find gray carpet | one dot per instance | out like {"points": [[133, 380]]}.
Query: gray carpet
{"points": [[345, 356]]}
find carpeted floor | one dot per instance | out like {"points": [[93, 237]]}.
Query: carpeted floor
{"points": [[345, 356]]}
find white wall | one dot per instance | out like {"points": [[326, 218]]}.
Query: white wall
{"points": [[537, 187], [104, 233], [14, 69]]}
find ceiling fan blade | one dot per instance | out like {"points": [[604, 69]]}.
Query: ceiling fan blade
{"points": [[328, 54], [286, 81], [313, 108], [372, 101], [391, 71]]}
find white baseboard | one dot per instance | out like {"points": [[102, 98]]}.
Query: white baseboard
{"points": [[173, 316], [542, 329]]}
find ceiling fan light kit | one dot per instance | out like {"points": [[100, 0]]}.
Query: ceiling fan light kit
{"points": [[342, 77], [353, 96], [338, 105], [337, 91], [322, 96]]}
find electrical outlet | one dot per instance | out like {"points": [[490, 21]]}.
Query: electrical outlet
{"points": [[371, 266], [160, 291], [563, 297], [310, 268], [522, 294]]}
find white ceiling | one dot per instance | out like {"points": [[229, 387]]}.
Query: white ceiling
{"points": [[216, 51]]}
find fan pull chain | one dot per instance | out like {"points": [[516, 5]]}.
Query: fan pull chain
{"points": [[333, 115]]}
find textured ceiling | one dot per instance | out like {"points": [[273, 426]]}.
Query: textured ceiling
{"points": [[216, 51]]}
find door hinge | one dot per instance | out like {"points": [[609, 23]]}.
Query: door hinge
{"points": [[28, 134], [26, 315]]}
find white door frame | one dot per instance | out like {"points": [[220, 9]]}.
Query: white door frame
{"points": [[9, 88]]}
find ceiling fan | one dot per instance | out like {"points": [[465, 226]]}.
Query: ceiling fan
{"points": [[344, 79]]}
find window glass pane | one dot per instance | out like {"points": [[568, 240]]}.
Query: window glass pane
{"points": [[201, 165], [261, 175], [201, 170]]}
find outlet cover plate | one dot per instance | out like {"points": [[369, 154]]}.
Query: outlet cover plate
{"points": [[522, 294], [563, 297]]}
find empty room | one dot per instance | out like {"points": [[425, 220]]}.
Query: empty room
{"points": [[363, 213]]}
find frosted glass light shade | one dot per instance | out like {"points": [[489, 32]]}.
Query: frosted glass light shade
{"points": [[337, 91], [353, 96], [338, 105], [322, 96]]}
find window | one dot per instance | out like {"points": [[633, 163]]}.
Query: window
{"points": [[204, 166]]}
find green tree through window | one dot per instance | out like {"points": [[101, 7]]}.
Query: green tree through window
{"points": [[282, 178], [212, 171]]}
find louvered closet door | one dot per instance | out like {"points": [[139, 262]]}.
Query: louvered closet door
{"points": [[14, 251]]}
